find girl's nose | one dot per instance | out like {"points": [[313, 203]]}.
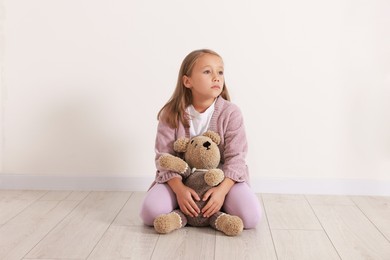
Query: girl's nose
{"points": [[216, 78]]}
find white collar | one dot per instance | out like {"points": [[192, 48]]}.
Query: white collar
{"points": [[195, 113]]}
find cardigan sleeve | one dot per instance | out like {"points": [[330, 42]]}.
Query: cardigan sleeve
{"points": [[165, 138], [235, 148]]}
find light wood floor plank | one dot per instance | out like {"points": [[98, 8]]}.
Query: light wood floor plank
{"points": [[13, 202], [186, 243], [251, 244], [65, 195], [56, 195], [329, 200], [129, 215], [23, 232], [289, 212], [78, 233], [352, 234], [77, 195], [377, 209], [303, 245], [106, 225], [126, 242]]}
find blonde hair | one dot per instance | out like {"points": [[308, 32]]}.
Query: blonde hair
{"points": [[175, 109]]}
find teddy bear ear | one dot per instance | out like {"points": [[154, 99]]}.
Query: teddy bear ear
{"points": [[181, 144], [213, 136]]}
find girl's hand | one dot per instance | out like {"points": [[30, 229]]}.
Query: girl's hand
{"points": [[217, 197], [185, 197]]}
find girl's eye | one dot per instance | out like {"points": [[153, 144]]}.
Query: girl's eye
{"points": [[220, 73], [206, 72]]}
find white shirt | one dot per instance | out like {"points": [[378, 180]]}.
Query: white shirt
{"points": [[199, 122]]}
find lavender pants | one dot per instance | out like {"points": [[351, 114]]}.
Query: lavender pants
{"points": [[240, 201]]}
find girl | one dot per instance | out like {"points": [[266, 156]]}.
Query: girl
{"points": [[200, 103]]}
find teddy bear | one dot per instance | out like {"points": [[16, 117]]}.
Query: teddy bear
{"points": [[199, 171]]}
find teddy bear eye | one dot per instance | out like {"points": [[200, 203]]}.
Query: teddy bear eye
{"points": [[192, 141]]}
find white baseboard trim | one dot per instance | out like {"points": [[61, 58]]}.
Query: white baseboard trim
{"points": [[362, 187], [99, 183], [259, 185]]}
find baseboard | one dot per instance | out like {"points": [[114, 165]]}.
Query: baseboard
{"points": [[259, 185], [35, 182], [322, 186]]}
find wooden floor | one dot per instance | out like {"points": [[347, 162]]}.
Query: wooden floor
{"points": [[105, 225]]}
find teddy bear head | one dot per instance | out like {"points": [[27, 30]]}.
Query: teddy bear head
{"points": [[201, 151]]}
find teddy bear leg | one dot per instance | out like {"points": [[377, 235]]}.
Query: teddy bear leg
{"points": [[166, 223], [228, 224]]}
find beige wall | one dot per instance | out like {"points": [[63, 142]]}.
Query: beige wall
{"points": [[82, 81]]}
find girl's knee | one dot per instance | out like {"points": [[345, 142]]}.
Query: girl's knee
{"points": [[148, 214], [149, 211], [251, 218], [158, 200], [241, 201]]}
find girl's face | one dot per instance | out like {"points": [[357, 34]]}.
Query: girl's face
{"points": [[206, 80]]}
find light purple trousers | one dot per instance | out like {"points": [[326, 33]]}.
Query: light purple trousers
{"points": [[240, 201]]}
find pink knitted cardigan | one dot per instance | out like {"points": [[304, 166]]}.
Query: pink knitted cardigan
{"points": [[227, 121]]}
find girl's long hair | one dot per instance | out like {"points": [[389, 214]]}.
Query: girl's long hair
{"points": [[175, 109]]}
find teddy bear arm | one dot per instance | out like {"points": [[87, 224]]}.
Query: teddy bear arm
{"points": [[214, 177], [173, 163]]}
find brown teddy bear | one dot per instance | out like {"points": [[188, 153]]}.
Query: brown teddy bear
{"points": [[199, 171]]}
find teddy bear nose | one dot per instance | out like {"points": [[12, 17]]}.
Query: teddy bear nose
{"points": [[207, 144]]}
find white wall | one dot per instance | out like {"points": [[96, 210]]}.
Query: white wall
{"points": [[83, 80]]}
